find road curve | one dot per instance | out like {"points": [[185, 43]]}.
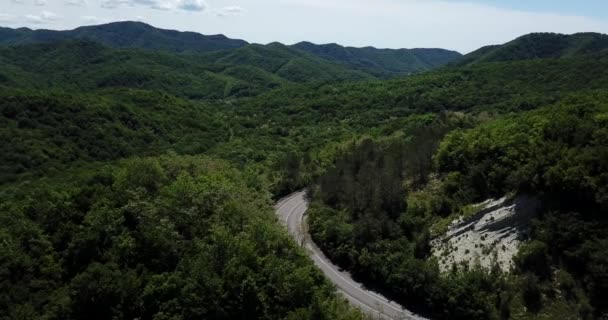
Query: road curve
{"points": [[290, 211]]}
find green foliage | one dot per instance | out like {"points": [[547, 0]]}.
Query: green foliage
{"points": [[558, 151], [85, 233], [49, 130], [303, 120], [540, 46], [531, 292], [534, 257], [381, 62], [359, 216], [129, 34], [242, 72], [559, 154], [155, 238], [126, 34]]}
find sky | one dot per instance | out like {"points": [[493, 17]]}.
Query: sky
{"points": [[462, 25]]}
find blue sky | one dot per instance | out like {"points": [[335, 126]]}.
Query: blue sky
{"points": [[589, 8], [462, 25]]}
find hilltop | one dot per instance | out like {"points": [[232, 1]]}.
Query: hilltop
{"points": [[127, 34], [382, 61], [540, 46], [130, 34]]}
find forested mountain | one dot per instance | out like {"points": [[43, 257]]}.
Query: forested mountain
{"points": [[243, 72], [375, 209], [155, 238], [290, 64], [128, 34], [129, 118], [382, 61], [137, 183], [540, 46]]}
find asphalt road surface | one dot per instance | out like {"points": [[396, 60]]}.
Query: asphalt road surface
{"points": [[290, 211]]}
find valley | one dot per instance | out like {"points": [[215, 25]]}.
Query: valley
{"points": [[154, 174]]}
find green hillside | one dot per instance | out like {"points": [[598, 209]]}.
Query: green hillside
{"points": [[247, 71], [376, 208], [290, 64], [138, 183], [540, 46], [382, 62], [126, 34], [252, 129]]}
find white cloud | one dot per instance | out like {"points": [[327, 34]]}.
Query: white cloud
{"points": [[229, 11], [152, 4], [192, 5], [43, 18], [49, 16], [463, 25], [111, 4], [459, 25], [17, 1], [163, 5], [77, 3], [90, 19], [40, 2], [7, 18]]}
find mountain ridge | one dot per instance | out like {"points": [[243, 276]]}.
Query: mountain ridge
{"points": [[246, 71], [129, 34], [389, 61], [539, 46]]}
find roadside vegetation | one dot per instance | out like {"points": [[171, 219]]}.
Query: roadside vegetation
{"points": [[379, 226], [171, 237]]}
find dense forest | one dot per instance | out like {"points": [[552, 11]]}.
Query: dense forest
{"points": [[245, 71], [364, 220], [155, 238], [150, 117], [138, 182], [539, 46], [300, 62]]}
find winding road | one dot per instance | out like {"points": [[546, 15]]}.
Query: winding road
{"points": [[290, 211]]}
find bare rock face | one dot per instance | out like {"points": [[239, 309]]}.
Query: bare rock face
{"points": [[492, 235]]}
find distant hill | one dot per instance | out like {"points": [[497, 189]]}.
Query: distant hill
{"points": [[188, 64], [382, 61], [246, 71], [126, 34], [539, 46], [290, 64]]}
